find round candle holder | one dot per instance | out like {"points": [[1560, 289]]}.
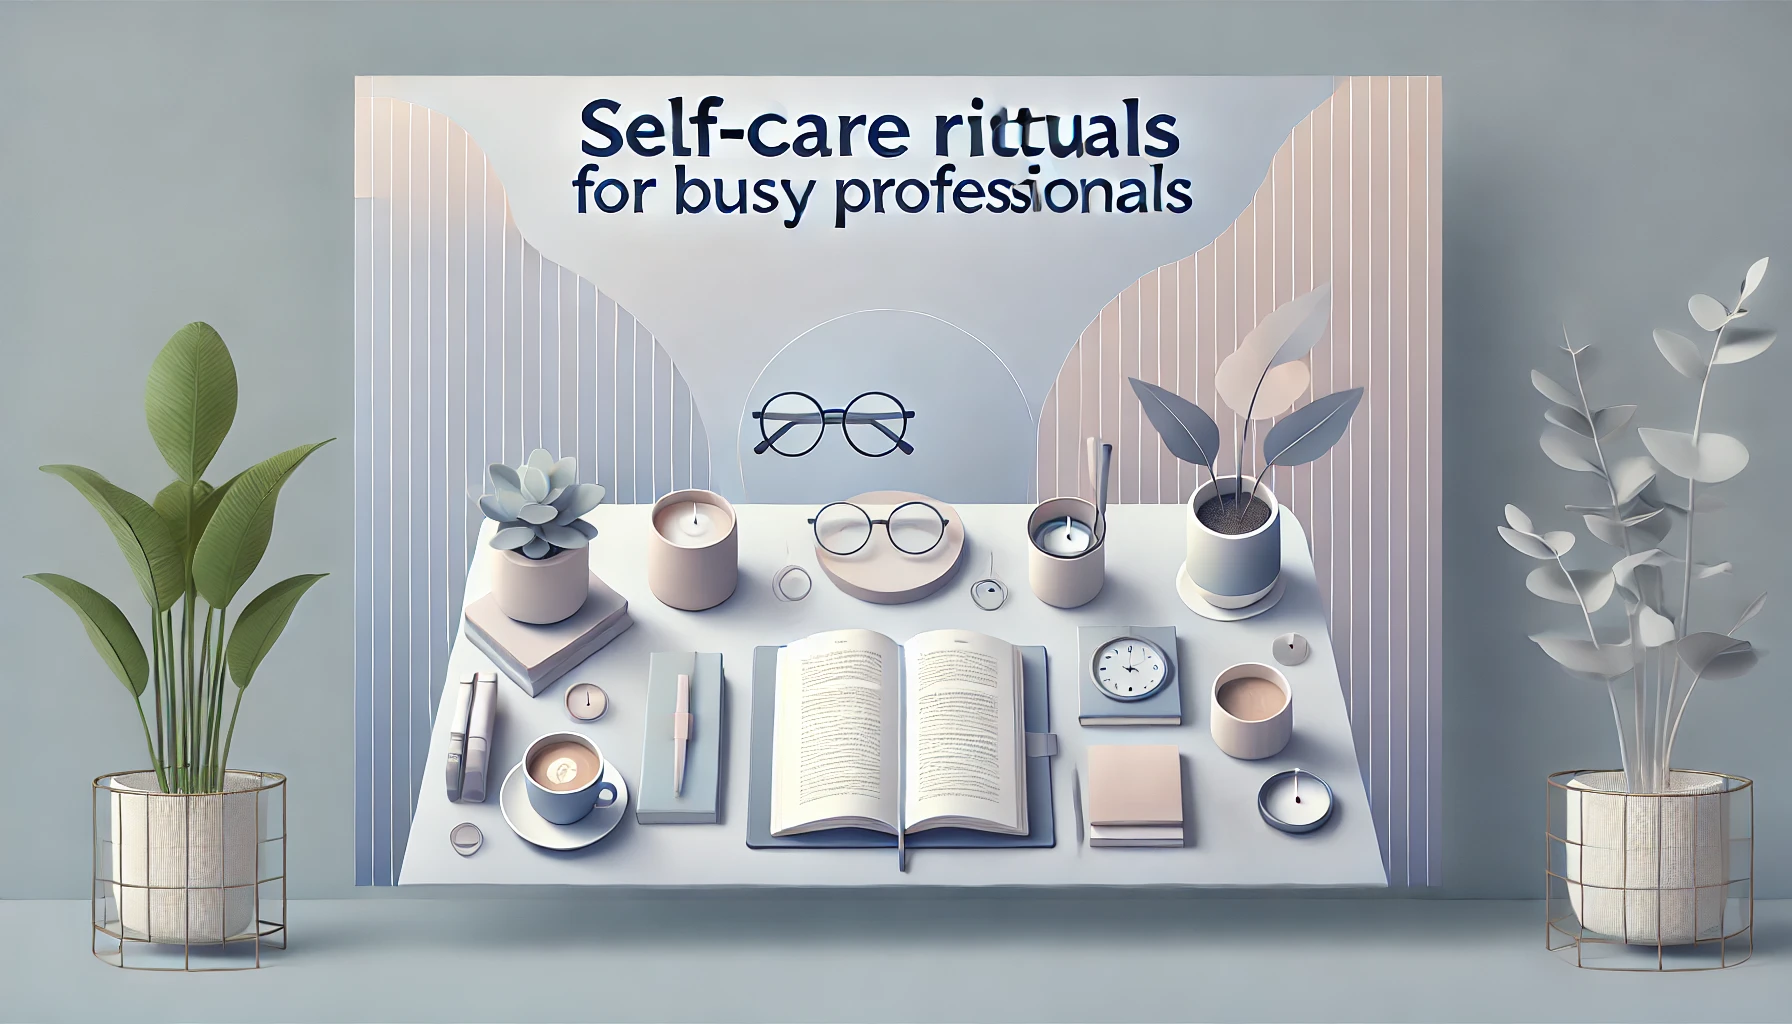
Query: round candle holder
{"points": [[1066, 551], [1282, 804], [697, 566]]}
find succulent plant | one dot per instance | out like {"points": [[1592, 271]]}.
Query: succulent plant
{"points": [[537, 506]]}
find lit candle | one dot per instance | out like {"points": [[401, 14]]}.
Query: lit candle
{"points": [[693, 524], [1287, 805], [1065, 537]]}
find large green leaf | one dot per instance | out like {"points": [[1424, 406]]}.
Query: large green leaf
{"points": [[180, 504], [148, 545], [191, 399], [106, 626], [261, 624], [238, 533]]}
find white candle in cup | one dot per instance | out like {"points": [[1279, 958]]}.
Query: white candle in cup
{"points": [[693, 524], [1288, 804], [1066, 537]]}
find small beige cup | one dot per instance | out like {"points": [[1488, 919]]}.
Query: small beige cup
{"points": [[1066, 581], [697, 571], [1251, 738]]}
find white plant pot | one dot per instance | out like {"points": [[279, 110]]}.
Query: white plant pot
{"points": [[184, 868], [1650, 869], [1233, 570], [541, 590]]}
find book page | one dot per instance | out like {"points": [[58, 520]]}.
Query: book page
{"points": [[834, 750], [965, 738]]}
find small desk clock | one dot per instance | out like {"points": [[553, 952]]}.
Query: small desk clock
{"points": [[1129, 675]]}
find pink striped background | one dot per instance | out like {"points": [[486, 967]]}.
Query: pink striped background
{"points": [[1353, 197]]}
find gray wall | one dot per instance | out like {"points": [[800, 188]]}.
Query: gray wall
{"points": [[166, 162]]}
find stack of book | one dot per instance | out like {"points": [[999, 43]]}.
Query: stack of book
{"points": [[1135, 795], [534, 656]]}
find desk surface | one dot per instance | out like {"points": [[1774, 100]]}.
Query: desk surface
{"points": [[1228, 844]]}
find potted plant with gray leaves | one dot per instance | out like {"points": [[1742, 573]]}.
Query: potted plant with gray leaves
{"points": [[189, 820], [542, 569], [1650, 843], [1234, 554]]}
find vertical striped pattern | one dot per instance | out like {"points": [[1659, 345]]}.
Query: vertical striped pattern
{"points": [[470, 349], [1354, 198]]}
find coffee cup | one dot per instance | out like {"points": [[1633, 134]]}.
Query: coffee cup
{"points": [[564, 773], [1252, 711]]}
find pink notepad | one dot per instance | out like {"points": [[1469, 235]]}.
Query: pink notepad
{"points": [[1135, 785]]}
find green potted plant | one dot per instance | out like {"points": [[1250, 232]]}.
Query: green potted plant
{"points": [[185, 830]]}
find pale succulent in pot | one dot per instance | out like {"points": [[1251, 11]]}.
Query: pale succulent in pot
{"points": [[537, 506]]}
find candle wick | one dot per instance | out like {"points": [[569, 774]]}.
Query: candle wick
{"points": [[693, 513]]}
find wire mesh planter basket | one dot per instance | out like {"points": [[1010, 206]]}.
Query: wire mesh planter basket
{"points": [[1650, 881], [188, 881]]}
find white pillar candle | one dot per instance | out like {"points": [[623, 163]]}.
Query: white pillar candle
{"points": [[693, 524]]}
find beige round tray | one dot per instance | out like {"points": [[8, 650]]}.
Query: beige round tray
{"points": [[879, 573]]}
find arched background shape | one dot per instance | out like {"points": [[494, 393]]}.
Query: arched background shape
{"points": [[470, 348], [1354, 198], [972, 430]]}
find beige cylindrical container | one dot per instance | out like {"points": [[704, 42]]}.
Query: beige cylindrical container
{"points": [[693, 552], [1252, 711], [1066, 551], [541, 590]]}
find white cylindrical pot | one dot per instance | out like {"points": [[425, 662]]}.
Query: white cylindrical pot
{"points": [[184, 867], [541, 590], [1233, 570], [1648, 868]]}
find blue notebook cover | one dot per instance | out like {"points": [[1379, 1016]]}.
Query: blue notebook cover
{"points": [[759, 783], [656, 803]]}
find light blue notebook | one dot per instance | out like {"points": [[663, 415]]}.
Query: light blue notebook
{"points": [[1039, 775], [656, 803]]}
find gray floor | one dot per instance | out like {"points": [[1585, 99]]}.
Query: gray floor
{"points": [[888, 956]]}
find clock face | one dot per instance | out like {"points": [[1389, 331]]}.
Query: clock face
{"points": [[1129, 668]]}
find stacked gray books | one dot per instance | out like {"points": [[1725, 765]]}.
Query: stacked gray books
{"points": [[534, 656]]}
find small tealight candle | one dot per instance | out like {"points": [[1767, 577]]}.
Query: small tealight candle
{"points": [[693, 524], [1295, 801], [1066, 537]]}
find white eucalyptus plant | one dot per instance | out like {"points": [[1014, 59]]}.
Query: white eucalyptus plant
{"points": [[1654, 659]]}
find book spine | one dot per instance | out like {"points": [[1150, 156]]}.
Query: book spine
{"points": [[479, 738], [457, 736]]}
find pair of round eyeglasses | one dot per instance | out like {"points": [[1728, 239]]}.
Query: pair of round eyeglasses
{"points": [[791, 423], [915, 527]]}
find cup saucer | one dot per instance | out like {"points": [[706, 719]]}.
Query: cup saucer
{"points": [[525, 821], [1191, 596]]}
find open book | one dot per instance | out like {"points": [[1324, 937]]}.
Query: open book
{"points": [[870, 735]]}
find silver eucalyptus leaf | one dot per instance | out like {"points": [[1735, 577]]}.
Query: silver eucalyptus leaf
{"points": [[1548, 388], [1560, 542], [1705, 572], [1752, 279], [1753, 609], [1607, 422], [535, 483], [1516, 518], [1310, 431], [1624, 572], [1681, 354], [538, 514], [1569, 419], [563, 536], [512, 538], [1734, 663], [1712, 460], [1631, 475], [1579, 654], [1527, 544], [1593, 587], [537, 548], [1641, 517], [1562, 450], [1653, 627], [1606, 529], [1740, 345], [1698, 650], [1707, 312]]}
